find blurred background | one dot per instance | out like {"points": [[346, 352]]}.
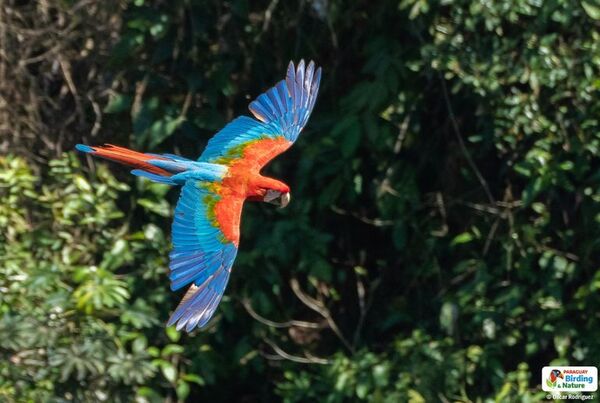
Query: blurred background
{"points": [[443, 240]]}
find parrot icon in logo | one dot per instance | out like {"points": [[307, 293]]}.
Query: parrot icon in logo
{"points": [[554, 375]]}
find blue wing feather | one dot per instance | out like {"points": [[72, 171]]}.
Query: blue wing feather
{"points": [[154, 177], [201, 300], [201, 256], [282, 111]]}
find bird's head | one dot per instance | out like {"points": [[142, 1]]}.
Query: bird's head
{"points": [[270, 191], [557, 374]]}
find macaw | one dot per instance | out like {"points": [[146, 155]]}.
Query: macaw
{"points": [[206, 226]]}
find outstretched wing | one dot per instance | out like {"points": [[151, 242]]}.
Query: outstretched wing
{"points": [[281, 113], [205, 240]]}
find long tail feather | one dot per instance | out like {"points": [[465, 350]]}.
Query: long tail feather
{"points": [[125, 156]]}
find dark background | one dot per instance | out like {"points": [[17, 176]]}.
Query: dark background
{"points": [[443, 239]]}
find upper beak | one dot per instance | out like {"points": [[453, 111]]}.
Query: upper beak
{"points": [[284, 200]]}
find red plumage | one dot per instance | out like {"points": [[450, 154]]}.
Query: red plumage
{"points": [[129, 157], [244, 180]]}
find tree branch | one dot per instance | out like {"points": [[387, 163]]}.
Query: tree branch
{"points": [[321, 309], [278, 325], [282, 355]]}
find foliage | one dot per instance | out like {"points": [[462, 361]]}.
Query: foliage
{"points": [[76, 316], [443, 239]]}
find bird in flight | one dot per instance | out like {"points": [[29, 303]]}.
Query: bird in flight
{"points": [[206, 226]]}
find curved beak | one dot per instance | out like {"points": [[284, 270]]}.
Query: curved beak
{"points": [[284, 200]]}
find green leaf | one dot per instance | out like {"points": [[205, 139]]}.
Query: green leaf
{"points": [[169, 372], [463, 238], [592, 10], [193, 378], [173, 334], [361, 390], [415, 397], [82, 184], [171, 349], [162, 129], [183, 390], [160, 207], [118, 103]]}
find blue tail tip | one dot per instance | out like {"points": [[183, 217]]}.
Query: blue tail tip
{"points": [[84, 149]]}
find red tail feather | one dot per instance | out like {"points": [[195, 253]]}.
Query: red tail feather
{"points": [[129, 157]]}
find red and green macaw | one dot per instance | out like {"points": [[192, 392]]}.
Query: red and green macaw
{"points": [[206, 227]]}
